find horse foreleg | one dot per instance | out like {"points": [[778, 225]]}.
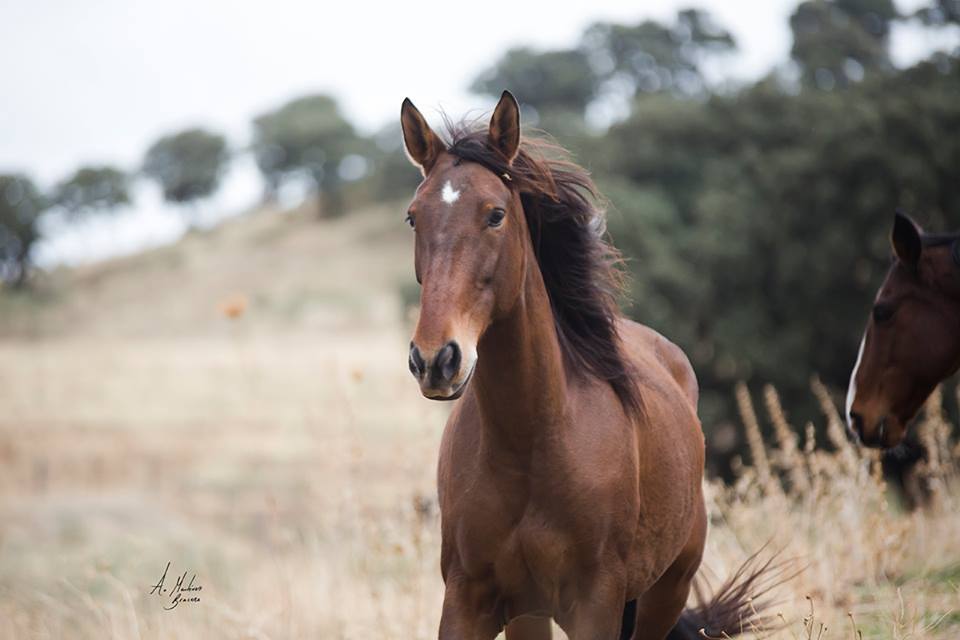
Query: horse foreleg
{"points": [[598, 613], [468, 613], [660, 607], [529, 628]]}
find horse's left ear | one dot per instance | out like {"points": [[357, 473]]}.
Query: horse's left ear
{"points": [[505, 126], [906, 241]]}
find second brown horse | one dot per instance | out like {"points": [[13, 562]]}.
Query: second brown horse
{"points": [[912, 339], [570, 469]]}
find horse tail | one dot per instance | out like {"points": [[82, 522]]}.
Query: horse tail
{"points": [[740, 605]]}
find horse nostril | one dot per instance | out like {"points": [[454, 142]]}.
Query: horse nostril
{"points": [[447, 362], [416, 363]]}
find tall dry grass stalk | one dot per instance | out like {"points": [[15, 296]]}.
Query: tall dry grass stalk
{"points": [[788, 455], [869, 560], [836, 431], [758, 453]]}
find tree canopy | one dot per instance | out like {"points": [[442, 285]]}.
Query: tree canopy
{"points": [[654, 57], [307, 137], [21, 204], [93, 188], [561, 79], [187, 165], [838, 42]]}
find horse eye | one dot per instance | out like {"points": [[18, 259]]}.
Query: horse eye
{"points": [[882, 313], [496, 218], [409, 220]]}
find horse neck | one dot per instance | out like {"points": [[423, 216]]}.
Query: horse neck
{"points": [[520, 382], [951, 302]]}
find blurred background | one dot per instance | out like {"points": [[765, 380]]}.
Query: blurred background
{"points": [[207, 283]]}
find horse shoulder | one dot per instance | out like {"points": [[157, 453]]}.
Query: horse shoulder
{"points": [[643, 344]]}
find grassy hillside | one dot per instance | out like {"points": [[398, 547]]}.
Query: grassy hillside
{"points": [[286, 271], [238, 405]]}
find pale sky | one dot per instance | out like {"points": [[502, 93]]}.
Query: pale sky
{"points": [[99, 80]]}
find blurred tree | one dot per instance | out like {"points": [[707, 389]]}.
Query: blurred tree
{"points": [[187, 165], [655, 58], [550, 80], [839, 42], [307, 137], [20, 207], [93, 188], [940, 13], [391, 176]]}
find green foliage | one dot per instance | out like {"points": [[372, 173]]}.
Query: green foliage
{"points": [[187, 165], [20, 207], [93, 188], [612, 62], [307, 137], [839, 42], [561, 79], [648, 57], [940, 12], [657, 58]]}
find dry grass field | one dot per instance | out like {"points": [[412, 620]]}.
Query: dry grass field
{"points": [[238, 405]]}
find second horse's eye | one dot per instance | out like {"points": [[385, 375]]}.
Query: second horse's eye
{"points": [[409, 220], [882, 313], [496, 218]]}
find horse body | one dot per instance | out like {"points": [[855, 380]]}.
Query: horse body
{"points": [[570, 470]]}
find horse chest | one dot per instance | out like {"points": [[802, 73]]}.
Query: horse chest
{"points": [[527, 562]]}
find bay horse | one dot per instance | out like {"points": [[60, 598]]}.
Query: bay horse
{"points": [[570, 468], [912, 339]]}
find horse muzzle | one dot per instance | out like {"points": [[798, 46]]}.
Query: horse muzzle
{"points": [[444, 374], [884, 433]]}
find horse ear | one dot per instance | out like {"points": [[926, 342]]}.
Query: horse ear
{"points": [[505, 126], [905, 238], [423, 146]]}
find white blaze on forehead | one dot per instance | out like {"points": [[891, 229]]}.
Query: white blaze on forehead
{"points": [[852, 389], [449, 194]]}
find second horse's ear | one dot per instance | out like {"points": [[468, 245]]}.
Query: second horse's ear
{"points": [[906, 240], [505, 126], [423, 146]]}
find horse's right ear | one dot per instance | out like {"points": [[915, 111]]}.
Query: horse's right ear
{"points": [[906, 241], [423, 146]]}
